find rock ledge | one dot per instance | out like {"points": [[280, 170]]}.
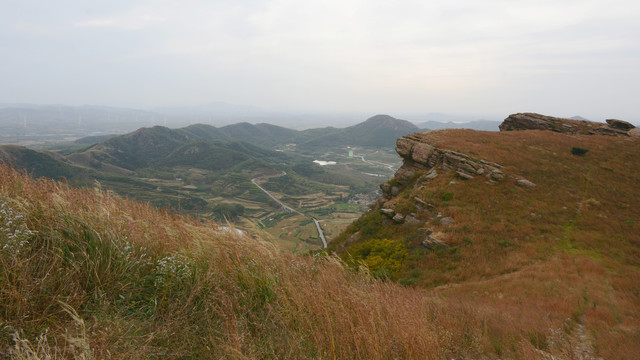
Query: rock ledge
{"points": [[533, 121]]}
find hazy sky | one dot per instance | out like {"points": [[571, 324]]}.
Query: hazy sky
{"points": [[556, 57]]}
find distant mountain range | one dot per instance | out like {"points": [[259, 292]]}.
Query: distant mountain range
{"points": [[29, 123], [26, 123], [200, 146], [377, 131], [156, 163]]}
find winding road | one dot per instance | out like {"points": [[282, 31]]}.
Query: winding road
{"points": [[388, 166], [288, 208]]}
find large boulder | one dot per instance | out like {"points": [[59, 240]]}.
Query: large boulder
{"points": [[533, 121], [530, 121], [620, 124]]}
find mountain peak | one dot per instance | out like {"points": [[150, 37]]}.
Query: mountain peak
{"points": [[387, 121], [380, 117]]}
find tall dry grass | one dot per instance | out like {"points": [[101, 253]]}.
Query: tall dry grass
{"points": [[99, 276]]}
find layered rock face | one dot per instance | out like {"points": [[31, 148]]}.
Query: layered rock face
{"points": [[533, 121], [421, 163], [424, 162], [420, 155]]}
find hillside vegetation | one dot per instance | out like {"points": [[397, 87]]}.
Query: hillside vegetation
{"points": [[562, 249], [378, 131], [41, 164], [87, 274]]}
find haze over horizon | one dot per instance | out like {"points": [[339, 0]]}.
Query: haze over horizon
{"points": [[560, 58]]}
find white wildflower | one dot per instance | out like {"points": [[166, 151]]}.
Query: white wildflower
{"points": [[14, 234], [173, 268]]}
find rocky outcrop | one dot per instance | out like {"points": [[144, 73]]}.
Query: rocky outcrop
{"points": [[620, 124], [533, 121], [424, 162], [420, 156]]}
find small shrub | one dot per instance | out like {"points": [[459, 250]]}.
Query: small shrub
{"points": [[384, 257], [446, 196], [579, 151]]}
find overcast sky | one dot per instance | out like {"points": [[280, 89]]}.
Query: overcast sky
{"points": [[556, 57]]}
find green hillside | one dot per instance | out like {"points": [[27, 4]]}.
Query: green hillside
{"points": [[138, 149], [265, 135], [377, 131], [42, 164], [204, 132]]}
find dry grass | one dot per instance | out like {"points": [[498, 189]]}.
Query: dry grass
{"points": [[143, 283]]}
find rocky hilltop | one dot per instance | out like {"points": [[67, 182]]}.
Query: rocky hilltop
{"points": [[515, 218], [424, 161], [533, 121]]}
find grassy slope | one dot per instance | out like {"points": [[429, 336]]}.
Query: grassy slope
{"points": [[111, 278], [40, 164], [564, 253]]}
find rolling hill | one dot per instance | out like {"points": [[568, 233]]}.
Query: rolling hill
{"points": [[196, 145], [138, 149], [377, 131], [265, 135], [43, 164], [153, 147]]}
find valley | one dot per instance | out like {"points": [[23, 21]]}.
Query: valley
{"points": [[335, 195], [240, 173]]}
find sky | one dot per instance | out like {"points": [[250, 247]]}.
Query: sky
{"points": [[559, 57]]}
